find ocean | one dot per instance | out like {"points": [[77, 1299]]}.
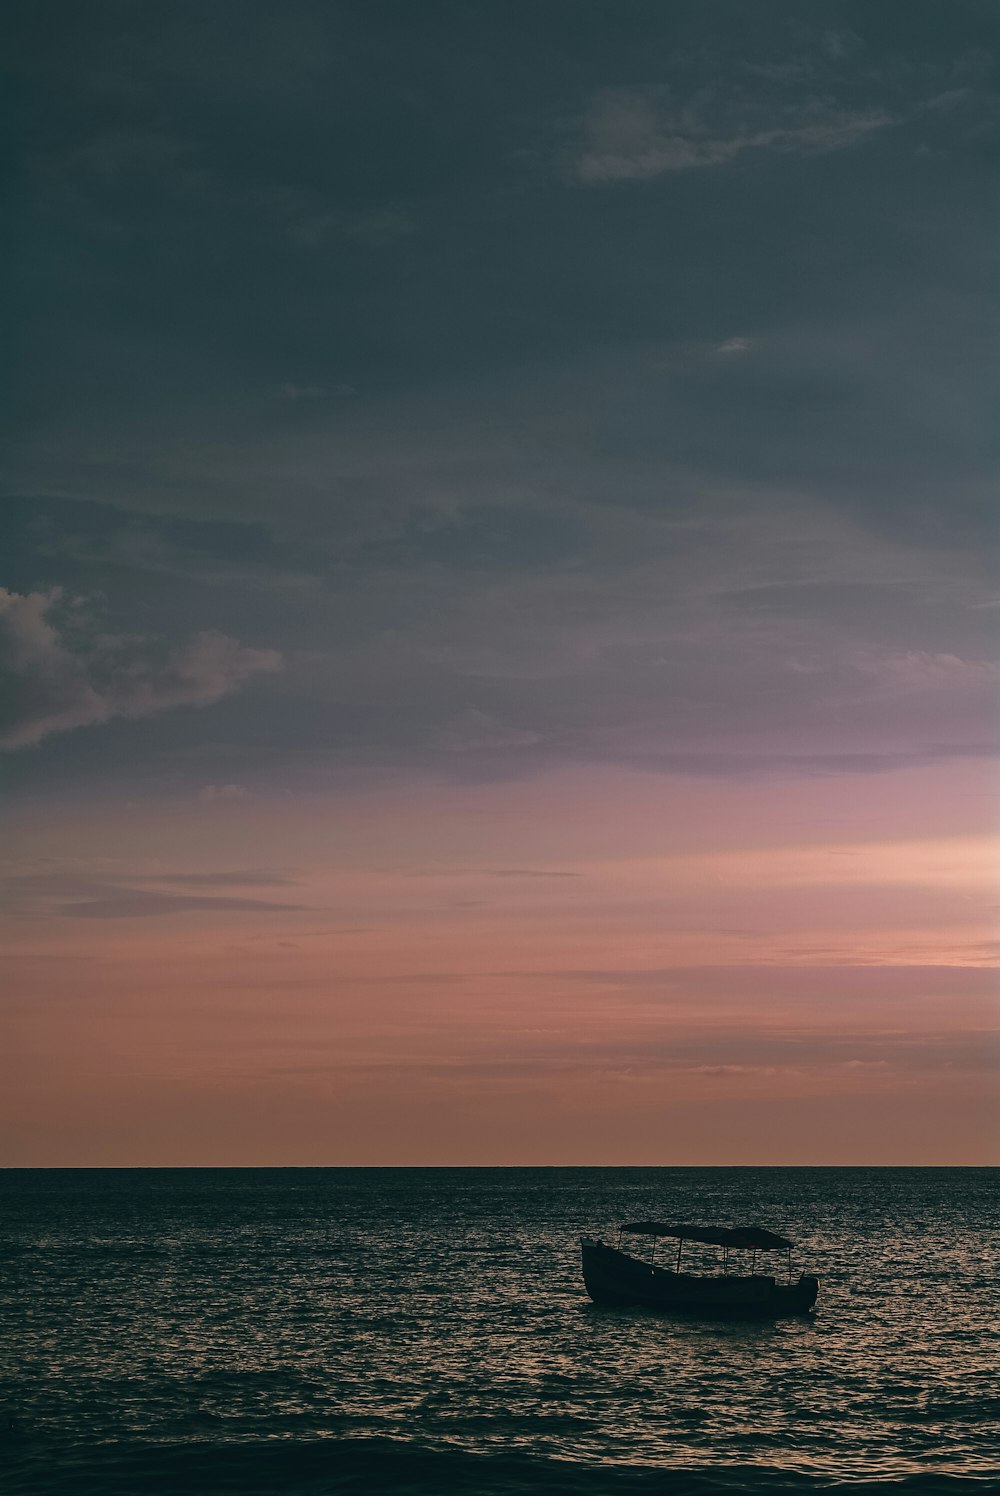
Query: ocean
{"points": [[426, 1331]]}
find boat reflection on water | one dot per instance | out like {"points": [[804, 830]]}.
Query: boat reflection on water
{"points": [[615, 1278]]}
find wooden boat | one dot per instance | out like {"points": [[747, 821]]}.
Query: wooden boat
{"points": [[614, 1277]]}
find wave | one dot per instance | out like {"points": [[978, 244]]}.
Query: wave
{"points": [[388, 1467]]}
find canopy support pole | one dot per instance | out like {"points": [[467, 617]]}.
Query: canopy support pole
{"points": [[680, 1243]]}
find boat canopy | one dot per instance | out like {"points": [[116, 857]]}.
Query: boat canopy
{"points": [[754, 1237]]}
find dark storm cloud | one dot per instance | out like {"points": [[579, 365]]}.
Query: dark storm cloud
{"points": [[572, 381]]}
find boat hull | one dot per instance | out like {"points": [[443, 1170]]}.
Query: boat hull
{"points": [[615, 1279]]}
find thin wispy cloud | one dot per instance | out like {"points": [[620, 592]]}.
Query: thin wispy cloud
{"points": [[80, 894], [635, 134], [212, 794], [144, 905]]}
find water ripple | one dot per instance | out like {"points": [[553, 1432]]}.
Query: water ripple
{"points": [[442, 1309]]}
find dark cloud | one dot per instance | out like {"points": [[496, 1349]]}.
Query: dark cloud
{"points": [[544, 383]]}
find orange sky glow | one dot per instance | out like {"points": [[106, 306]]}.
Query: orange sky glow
{"points": [[599, 967]]}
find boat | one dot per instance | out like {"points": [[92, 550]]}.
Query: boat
{"points": [[616, 1278]]}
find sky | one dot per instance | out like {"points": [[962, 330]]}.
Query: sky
{"points": [[499, 612]]}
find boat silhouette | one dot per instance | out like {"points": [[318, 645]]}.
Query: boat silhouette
{"points": [[616, 1278]]}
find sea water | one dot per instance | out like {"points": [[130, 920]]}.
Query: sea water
{"points": [[426, 1330]]}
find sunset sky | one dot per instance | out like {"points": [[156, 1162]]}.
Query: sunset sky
{"points": [[500, 605]]}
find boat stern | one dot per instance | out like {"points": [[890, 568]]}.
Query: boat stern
{"points": [[808, 1291]]}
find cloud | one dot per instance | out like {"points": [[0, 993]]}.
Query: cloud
{"points": [[296, 392], [819, 1057], [235, 878], [94, 541], [139, 905], [803, 765], [627, 522], [213, 792], [79, 893], [907, 671], [634, 134], [474, 731], [56, 678]]}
